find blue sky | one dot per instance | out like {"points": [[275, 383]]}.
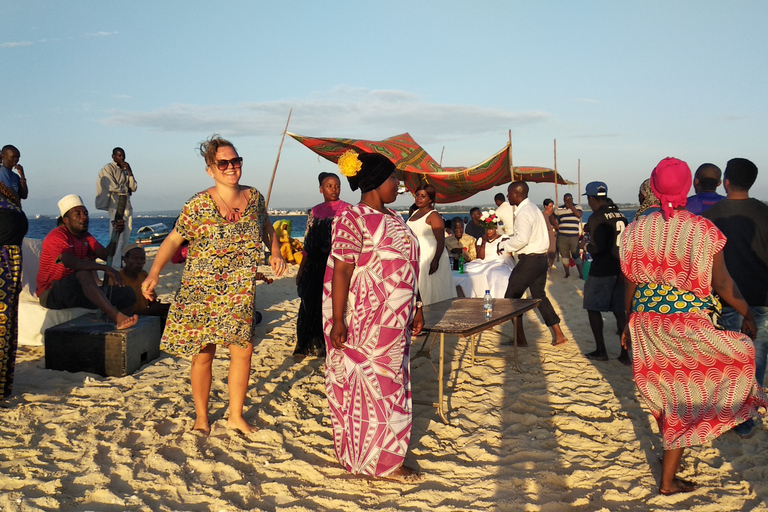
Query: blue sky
{"points": [[620, 85]]}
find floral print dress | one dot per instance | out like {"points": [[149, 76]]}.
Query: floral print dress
{"points": [[215, 303]]}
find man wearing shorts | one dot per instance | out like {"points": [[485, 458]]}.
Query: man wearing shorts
{"points": [[67, 274], [604, 288], [568, 219]]}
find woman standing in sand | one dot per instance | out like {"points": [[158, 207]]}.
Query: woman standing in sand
{"points": [[225, 226], [697, 380], [13, 227], [435, 280], [369, 308], [317, 245]]}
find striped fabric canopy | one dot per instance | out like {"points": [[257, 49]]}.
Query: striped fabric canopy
{"points": [[416, 167]]}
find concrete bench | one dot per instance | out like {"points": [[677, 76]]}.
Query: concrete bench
{"points": [[34, 319]]}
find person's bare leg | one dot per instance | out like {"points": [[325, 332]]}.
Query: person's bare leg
{"points": [[239, 375], [200, 376], [670, 465], [95, 295], [566, 267], [559, 336], [596, 324], [621, 322], [578, 267]]}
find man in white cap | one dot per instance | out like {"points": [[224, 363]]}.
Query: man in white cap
{"points": [[67, 274], [116, 179]]}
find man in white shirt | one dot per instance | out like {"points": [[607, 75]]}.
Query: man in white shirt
{"points": [[115, 179], [504, 212], [530, 241]]}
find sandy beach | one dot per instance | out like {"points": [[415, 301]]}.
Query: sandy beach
{"points": [[565, 434]]}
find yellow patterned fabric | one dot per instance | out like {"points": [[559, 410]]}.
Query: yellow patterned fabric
{"points": [[10, 285], [667, 300], [215, 303]]}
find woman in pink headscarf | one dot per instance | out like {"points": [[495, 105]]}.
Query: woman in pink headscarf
{"points": [[697, 380]]}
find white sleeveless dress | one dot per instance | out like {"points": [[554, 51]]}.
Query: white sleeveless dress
{"points": [[438, 286]]}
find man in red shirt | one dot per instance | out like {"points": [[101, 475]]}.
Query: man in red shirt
{"points": [[67, 274]]}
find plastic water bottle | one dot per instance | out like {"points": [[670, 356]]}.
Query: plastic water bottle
{"points": [[461, 264], [487, 305]]}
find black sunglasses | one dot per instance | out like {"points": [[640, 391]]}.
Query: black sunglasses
{"points": [[223, 165]]}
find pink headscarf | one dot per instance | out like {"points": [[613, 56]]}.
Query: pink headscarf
{"points": [[670, 182]]}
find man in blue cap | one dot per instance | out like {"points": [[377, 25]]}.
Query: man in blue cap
{"points": [[604, 288]]}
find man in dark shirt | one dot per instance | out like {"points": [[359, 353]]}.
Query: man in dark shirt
{"points": [[744, 221], [473, 227], [705, 183], [604, 289]]}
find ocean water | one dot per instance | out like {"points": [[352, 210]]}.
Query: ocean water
{"points": [[99, 226]]}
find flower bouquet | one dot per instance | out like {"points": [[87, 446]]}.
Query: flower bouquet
{"points": [[489, 220]]}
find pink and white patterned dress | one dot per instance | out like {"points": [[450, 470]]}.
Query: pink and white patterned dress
{"points": [[697, 380], [368, 383]]}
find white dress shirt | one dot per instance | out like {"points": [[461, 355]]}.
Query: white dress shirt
{"points": [[530, 230], [504, 212]]}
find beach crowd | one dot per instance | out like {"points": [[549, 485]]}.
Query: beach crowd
{"points": [[686, 282]]}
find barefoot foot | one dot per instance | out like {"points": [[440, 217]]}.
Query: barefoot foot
{"points": [[201, 426], [597, 356], [559, 341], [678, 485], [241, 425], [124, 321], [405, 475]]}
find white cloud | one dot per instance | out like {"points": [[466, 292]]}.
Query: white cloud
{"points": [[344, 111], [101, 34], [15, 44]]}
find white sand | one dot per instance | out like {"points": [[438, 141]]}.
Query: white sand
{"points": [[566, 434]]}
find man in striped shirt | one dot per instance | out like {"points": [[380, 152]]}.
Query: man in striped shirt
{"points": [[569, 219]]}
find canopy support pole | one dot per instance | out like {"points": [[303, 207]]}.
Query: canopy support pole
{"points": [[274, 171]]}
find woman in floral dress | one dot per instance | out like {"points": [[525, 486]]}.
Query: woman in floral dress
{"points": [[697, 380], [369, 309], [225, 226]]}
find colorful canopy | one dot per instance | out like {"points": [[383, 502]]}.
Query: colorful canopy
{"points": [[416, 167]]}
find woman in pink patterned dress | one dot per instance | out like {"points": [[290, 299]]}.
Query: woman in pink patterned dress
{"points": [[697, 380], [369, 309]]}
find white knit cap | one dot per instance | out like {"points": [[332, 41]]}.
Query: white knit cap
{"points": [[68, 202]]}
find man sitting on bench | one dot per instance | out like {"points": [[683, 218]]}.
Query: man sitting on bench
{"points": [[67, 274]]}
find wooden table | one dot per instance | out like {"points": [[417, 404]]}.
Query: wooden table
{"points": [[464, 318]]}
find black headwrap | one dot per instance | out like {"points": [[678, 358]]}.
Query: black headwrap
{"points": [[375, 170]]}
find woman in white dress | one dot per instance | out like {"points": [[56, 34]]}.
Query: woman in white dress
{"points": [[493, 263], [435, 281]]}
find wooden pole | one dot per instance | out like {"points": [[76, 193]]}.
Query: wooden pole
{"points": [[578, 178], [441, 156], [272, 181], [511, 168], [556, 197]]}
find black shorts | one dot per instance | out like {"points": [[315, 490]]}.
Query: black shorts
{"points": [[67, 293]]}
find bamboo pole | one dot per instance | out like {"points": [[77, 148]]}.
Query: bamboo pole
{"points": [[556, 196], [578, 193], [441, 156], [511, 168], [274, 171]]}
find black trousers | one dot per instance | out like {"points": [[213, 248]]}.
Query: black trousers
{"points": [[531, 272]]}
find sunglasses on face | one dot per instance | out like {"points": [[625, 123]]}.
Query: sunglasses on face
{"points": [[223, 165]]}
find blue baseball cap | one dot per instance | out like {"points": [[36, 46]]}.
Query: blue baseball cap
{"points": [[596, 189]]}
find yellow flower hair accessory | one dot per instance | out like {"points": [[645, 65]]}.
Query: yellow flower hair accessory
{"points": [[349, 164]]}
